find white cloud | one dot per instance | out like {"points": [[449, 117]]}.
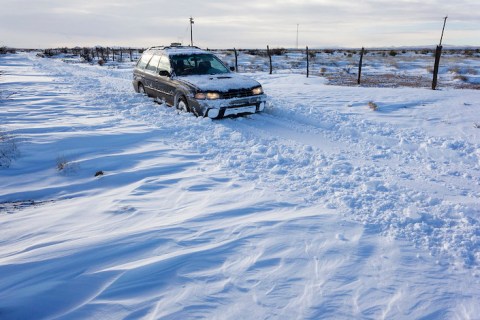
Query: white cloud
{"points": [[229, 23]]}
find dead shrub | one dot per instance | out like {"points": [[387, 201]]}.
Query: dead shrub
{"points": [[460, 77], [65, 166], [372, 105]]}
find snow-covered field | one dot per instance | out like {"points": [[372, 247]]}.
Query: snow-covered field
{"points": [[380, 68], [318, 208]]}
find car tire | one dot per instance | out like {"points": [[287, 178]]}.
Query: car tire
{"points": [[182, 104], [196, 112], [141, 89]]}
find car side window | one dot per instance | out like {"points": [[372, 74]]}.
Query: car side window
{"points": [[142, 63], [164, 64], [153, 64], [217, 66]]}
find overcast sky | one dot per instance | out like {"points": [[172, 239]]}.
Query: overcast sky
{"points": [[238, 23]]}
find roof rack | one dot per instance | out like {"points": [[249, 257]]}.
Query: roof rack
{"points": [[173, 46]]}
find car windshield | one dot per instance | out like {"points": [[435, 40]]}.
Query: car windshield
{"points": [[197, 64]]}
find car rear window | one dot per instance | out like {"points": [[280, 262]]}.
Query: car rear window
{"points": [[142, 63], [152, 65]]}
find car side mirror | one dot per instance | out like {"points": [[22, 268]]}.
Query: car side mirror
{"points": [[164, 73], [232, 68]]}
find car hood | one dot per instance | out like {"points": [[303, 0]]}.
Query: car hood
{"points": [[220, 82]]}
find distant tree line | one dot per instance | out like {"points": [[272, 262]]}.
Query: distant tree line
{"points": [[96, 54], [5, 50]]}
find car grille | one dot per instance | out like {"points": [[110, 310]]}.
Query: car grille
{"points": [[238, 93]]}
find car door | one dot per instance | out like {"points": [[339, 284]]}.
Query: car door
{"points": [[151, 73], [164, 80]]}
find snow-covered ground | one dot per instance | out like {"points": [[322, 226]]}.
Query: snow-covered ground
{"points": [[318, 208]]}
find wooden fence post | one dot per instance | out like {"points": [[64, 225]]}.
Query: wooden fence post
{"points": [[269, 58], [438, 53], [360, 65], [236, 59], [308, 65]]}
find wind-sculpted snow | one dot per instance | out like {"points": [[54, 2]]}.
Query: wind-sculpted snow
{"points": [[317, 208], [375, 172]]}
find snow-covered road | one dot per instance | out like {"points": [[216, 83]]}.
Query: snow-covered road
{"points": [[317, 208]]}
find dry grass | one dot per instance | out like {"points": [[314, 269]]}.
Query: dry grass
{"points": [[380, 80], [387, 80], [11, 207]]}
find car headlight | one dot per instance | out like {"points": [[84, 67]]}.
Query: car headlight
{"points": [[257, 90], [212, 95], [208, 95], [200, 96]]}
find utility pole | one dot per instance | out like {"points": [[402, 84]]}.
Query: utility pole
{"points": [[191, 31], [438, 53]]}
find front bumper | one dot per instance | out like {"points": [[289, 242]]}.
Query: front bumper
{"points": [[220, 108]]}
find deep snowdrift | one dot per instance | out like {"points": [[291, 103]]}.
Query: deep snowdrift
{"points": [[318, 208]]}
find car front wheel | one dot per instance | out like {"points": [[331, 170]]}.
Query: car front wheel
{"points": [[182, 104], [141, 88]]}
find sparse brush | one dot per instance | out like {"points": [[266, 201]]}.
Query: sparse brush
{"points": [[5, 50], [65, 166], [460, 77], [471, 71], [372, 105], [347, 69], [8, 149], [62, 163], [392, 53], [6, 95], [277, 51], [454, 70]]}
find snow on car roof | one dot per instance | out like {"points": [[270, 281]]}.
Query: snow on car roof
{"points": [[179, 50]]}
